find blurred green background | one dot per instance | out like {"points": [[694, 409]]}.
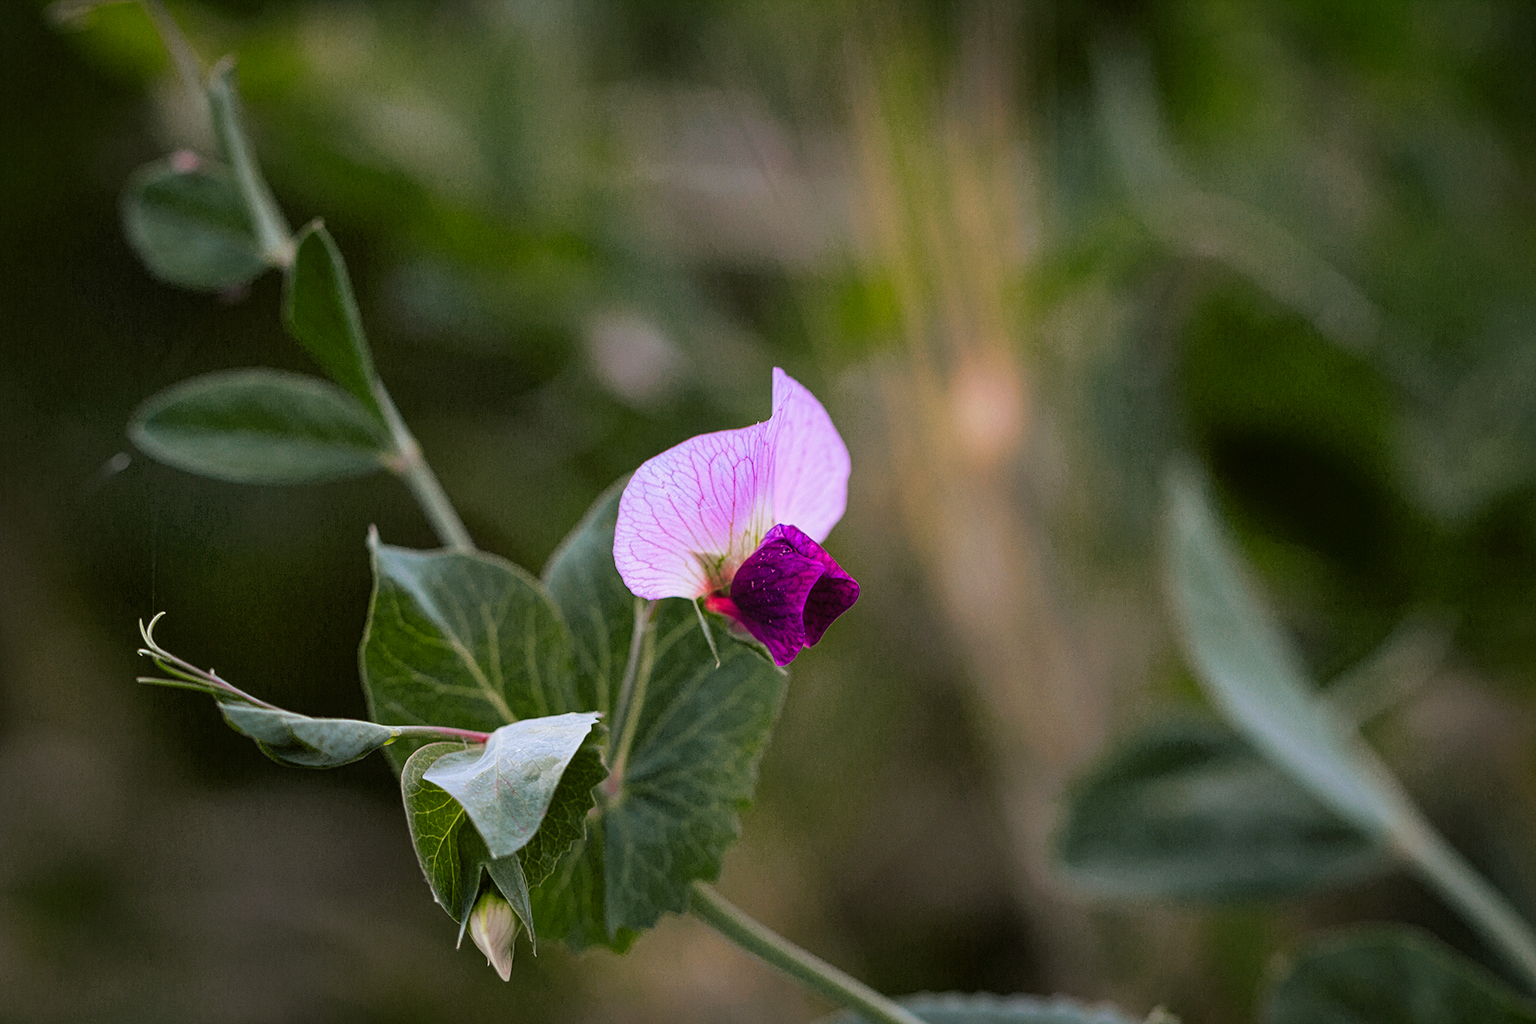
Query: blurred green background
{"points": [[1024, 252]]}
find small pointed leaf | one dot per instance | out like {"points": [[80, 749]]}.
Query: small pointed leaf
{"points": [[1393, 975], [321, 313], [260, 427], [305, 742], [1187, 810], [188, 222], [507, 784]]}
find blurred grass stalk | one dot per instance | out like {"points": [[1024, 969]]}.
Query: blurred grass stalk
{"points": [[943, 218]]}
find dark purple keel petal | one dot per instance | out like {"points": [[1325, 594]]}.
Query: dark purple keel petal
{"points": [[788, 592]]}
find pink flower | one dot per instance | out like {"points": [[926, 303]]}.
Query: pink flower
{"points": [[737, 518]]}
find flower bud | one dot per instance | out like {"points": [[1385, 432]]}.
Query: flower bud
{"points": [[494, 928]]}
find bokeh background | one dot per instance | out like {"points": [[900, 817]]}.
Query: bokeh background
{"points": [[1024, 252]]}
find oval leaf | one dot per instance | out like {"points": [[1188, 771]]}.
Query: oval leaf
{"points": [[305, 742], [321, 313], [1254, 678], [188, 222], [506, 786], [1389, 976], [260, 427], [982, 1008], [1188, 810]]}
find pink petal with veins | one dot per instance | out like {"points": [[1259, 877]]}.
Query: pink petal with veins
{"points": [[810, 461], [690, 516]]}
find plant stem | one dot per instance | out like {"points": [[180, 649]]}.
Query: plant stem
{"points": [[411, 466], [631, 699], [808, 969], [442, 732], [1470, 893]]}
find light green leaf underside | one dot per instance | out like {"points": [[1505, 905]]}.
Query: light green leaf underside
{"points": [[304, 742], [1187, 810], [506, 785], [260, 427], [1393, 975]]}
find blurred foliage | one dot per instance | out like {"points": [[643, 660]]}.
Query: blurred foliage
{"points": [[1298, 239]]}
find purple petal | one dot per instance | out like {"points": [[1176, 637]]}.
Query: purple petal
{"points": [[692, 514], [810, 461], [788, 592]]}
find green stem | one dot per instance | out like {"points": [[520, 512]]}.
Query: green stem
{"points": [[1470, 893], [411, 466], [810, 970], [631, 699]]}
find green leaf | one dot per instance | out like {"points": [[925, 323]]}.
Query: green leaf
{"points": [[982, 1008], [1254, 678], [188, 222], [453, 856], [507, 784], [597, 605], [565, 823], [259, 427], [305, 742], [692, 770], [462, 639], [1188, 810], [271, 229], [569, 904], [1391, 975], [693, 764], [435, 820], [321, 313]]}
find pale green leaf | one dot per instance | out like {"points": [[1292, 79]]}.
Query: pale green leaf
{"points": [[305, 742], [507, 784], [260, 427]]}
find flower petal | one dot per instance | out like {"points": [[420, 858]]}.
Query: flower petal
{"points": [[810, 461], [692, 514], [788, 592]]}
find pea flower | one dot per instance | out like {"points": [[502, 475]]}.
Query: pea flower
{"points": [[737, 518]]}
